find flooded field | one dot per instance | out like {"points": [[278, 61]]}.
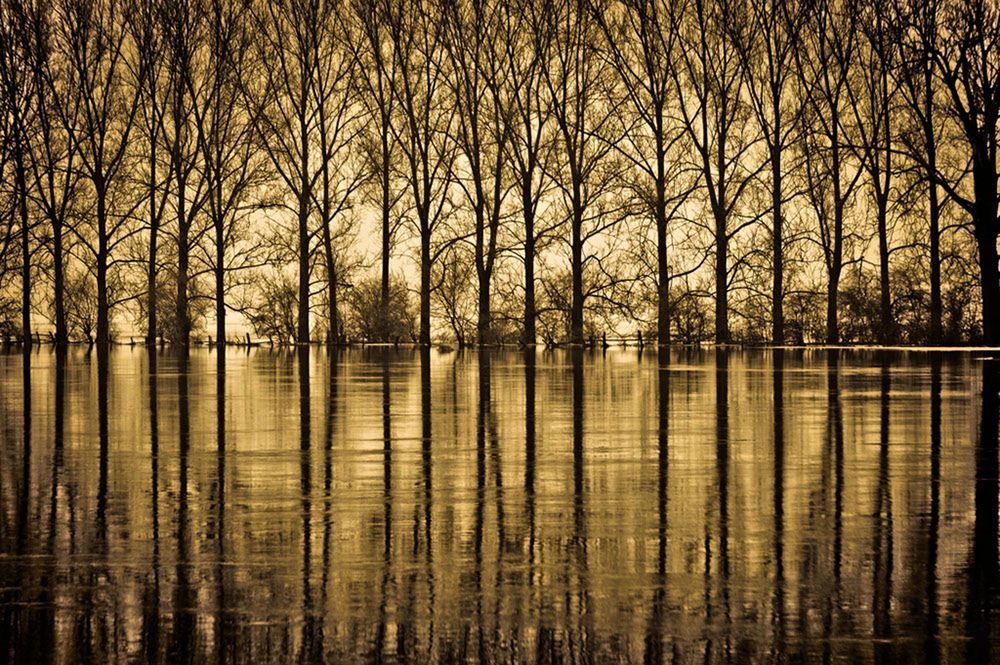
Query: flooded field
{"points": [[379, 505]]}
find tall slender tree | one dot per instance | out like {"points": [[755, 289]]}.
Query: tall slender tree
{"points": [[710, 84], [824, 64], [766, 44], [967, 58], [421, 134], [480, 76], [94, 39]]}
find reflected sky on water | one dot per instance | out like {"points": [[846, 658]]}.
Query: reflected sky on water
{"points": [[379, 505]]}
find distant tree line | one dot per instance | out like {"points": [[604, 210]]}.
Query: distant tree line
{"points": [[501, 171]]}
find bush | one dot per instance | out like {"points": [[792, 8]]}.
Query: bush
{"points": [[273, 314], [370, 319]]}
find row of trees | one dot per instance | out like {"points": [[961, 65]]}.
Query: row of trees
{"points": [[818, 170]]}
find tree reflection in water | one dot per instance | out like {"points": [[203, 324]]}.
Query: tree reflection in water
{"points": [[413, 506]]}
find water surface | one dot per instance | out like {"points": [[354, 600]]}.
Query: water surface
{"points": [[397, 506]]}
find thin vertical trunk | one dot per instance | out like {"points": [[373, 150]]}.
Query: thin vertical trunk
{"points": [[777, 232], [886, 333], [220, 271], [183, 258], [721, 280], [662, 269], [154, 229], [576, 311], [833, 285], [425, 281], [103, 317], [985, 223], [59, 291], [934, 214], [182, 332], [483, 272], [333, 336], [529, 268], [888, 328], [21, 183], [386, 203], [302, 330]]}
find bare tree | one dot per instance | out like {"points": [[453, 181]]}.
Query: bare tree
{"points": [[54, 176], [231, 164], [95, 40], [288, 36], [641, 40], [341, 173], [873, 101], [475, 33], [967, 59], [917, 31], [376, 77], [151, 80], [184, 24], [824, 66], [710, 82], [766, 44], [531, 144], [422, 131], [19, 91], [576, 79]]}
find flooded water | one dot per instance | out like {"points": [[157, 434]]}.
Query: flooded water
{"points": [[398, 506]]}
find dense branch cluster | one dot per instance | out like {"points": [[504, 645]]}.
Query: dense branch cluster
{"points": [[500, 172]]}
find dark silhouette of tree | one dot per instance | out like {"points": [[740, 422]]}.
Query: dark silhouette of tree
{"points": [[575, 77], [874, 101], [475, 33], [377, 69], [641, 39], [19, 91], [917, 28], [94, 39], [767, 44], [967, 58], [531, 145], [710, 82], [421, 132], [184, 26], [829, 41]]}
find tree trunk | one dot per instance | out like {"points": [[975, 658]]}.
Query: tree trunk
{"points": [[985, 224], [529, 264], [887, 333], [425, 283], [778, 241], [576, 309], [987, 242], [721, 281], [22, 205], [832, 317], [484, 324], [59, 278], [103, 318], [302, 328], [151, 326], [183, 335], [331, 283], [386, 203], [483, 271], [154, 229], [662, 269], [934, 212], [220, 280]]}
